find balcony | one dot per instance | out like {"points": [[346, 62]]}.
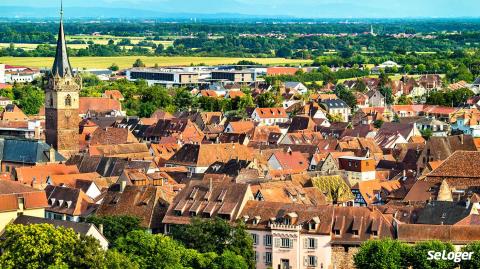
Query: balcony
{"points": [[284, 227]]}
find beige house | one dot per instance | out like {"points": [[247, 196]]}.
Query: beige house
{"points": [[289, 235], [17, 199]]}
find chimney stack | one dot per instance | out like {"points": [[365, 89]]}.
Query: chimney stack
{"points": [[123, 184], [51, 154], [461, 139], [100, 228]]}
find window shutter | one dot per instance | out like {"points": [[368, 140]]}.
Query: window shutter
{"points": [[315, 243], [305, 243], [305, 261], [290, 243], [316, 260], [277, 242], [264, 257]]}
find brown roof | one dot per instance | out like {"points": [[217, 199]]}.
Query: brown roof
{"points": [[111, 136], [13, 113], [70, 201], [10, 191], [146, 202], [369, 189], [288, 192], [459, 164], [98, 104], [456, 234], [138, 151], [208, 198], [113, 94], [355, 225], [36, 176], [266, 213], [204, 155]]}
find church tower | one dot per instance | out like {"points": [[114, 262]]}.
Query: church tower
{"points": [[62, 101]]}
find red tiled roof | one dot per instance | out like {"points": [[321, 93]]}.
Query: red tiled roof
{"points": [[98, 104], [273, 71], [274, 112]]}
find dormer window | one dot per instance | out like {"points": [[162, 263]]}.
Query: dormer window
{"points": [[287, 221], [312, 226], [336, 232]]}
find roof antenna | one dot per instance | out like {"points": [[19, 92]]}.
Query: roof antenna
{"points": [[61, 9]]}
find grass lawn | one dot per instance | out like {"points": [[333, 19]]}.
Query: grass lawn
{"points": [[127, 61]]}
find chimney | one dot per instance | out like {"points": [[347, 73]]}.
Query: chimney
{"points": [[210, 186], [461, 139], [123, 184], [100, 228], [51, 154]]}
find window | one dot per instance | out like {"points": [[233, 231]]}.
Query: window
{"points": [[311, 243], [311, 261], [287, 221], [255, 239], [374, 233], [256, 256], [286, 243], [312, 225], [336, 232], [267, 241], [268, 258], [68, 100]]}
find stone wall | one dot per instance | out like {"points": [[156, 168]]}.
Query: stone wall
{"points": [[342, 257]]}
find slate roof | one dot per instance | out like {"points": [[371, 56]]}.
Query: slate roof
{"points": [[105, 166], [335, 103], [443, 212], [26, 151], [79, 227]]}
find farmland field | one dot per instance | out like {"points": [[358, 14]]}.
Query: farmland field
{"points": [[127, 61]]}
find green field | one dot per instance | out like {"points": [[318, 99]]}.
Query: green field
{"points": [[127, 61]]}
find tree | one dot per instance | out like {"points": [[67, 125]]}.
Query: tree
{"points": [[115, 227], [117, 260], [138, 63], [159, 49], [421, 68], [387, 93], [29, 98], [378, 124], [43, 246], [474, 263], [426, 133], [284, 52], [417, 258], [245, 101], [267, 99], [217, 236], [346, 95], [114, 67], [230, 260], [382, 254], [404, 100], [183, 99]]}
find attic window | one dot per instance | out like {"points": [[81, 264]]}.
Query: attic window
{"points": [[374, 233], [312, 226], [69, 203], [193, 193], [336, 232], [52, 201]]}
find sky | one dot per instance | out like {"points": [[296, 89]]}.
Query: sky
{"points": [[295, 8]]}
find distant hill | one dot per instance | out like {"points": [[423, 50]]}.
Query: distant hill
{"points": [[106, 12]]}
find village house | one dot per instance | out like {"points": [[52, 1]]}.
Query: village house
{"points": [[197, 158], [357, 169], [68, 204], [17, 199], [269, 116], [337, 107]]}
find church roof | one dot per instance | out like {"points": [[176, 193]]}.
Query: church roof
{"points": [[61, 65]]}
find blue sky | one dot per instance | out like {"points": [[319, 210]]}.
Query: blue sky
{"points": [[297, 8]]}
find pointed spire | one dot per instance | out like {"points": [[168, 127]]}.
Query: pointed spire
{"points": [[61, 65]]}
